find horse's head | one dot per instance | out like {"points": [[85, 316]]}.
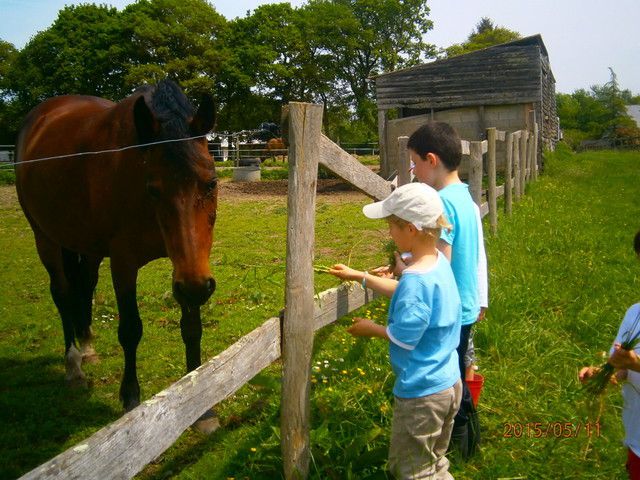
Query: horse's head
{"points": [[181, 181]]}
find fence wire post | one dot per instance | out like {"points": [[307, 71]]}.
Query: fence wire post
{"points": [[305, 124]]}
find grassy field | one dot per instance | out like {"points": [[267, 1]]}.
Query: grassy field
{"points": [[562, 274]]}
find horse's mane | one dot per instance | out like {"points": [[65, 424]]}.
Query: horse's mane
{"points": [[170, 107]]}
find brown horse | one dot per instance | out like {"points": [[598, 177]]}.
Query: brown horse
{"points": [[130, 204], [275, 147]]}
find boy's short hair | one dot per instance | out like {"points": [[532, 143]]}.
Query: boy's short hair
{"points": [[636, 243], [439, 138]]}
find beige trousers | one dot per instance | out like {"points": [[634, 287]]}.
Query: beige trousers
{"points": [[420, 432]]}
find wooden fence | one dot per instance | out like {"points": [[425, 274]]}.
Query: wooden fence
{"points": [[125, 447]]}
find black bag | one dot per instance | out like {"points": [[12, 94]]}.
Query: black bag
{"points": [[465, 437]]}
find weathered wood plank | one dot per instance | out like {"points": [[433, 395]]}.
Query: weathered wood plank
{"points": [[524, 136], [305, 126], [404, 162], [475, 171], [536, 134], [351, 170], [124, 447], [484, 209], [516, 165], [337, 302], [491, 173]]}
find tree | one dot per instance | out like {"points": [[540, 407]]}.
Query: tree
{"points": [[80, 53], [599, 113], [176, 39], [364, 38], [8, 123], [486, 34]]}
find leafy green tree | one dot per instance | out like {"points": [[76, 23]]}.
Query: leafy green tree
{"points": [[8, 120], [486, 34], [80, 53], [174, 38], [596, 114], [363, 38]]}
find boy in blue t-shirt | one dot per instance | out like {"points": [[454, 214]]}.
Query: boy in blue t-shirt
{"points": [[423, 332], [436, 153]]}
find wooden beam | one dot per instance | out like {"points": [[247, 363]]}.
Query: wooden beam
{"points": [[491, 173], [516, 165], [475, 171], [383, 125], [305, 127], [523, 160], [124, 447], [351, 170], [404, 162]]}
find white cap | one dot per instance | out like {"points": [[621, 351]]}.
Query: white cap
{"points": [[416, 203]]}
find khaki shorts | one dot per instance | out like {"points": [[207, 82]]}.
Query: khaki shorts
{"points": [[420, 433]]}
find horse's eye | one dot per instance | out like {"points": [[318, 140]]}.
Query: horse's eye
{"points": [[153, 191], [211, 185]]}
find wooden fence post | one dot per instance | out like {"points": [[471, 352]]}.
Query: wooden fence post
{"points": [[529, 156], [305, 124], [516, 165], [523, 161], [535, 151], [404, 162], [475, 171], [508, 184], [491, 172]]}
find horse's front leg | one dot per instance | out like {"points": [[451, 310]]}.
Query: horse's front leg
{"points": [[124, 277], [191, 330]]}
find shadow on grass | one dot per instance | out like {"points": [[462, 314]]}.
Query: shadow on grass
{"points": [[39, 413]]}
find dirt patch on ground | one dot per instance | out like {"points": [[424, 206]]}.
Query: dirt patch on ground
{"points": [[8, 196], [329, 189]]}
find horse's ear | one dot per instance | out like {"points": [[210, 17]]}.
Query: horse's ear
{"points": [[146, 124], [205, 119]]}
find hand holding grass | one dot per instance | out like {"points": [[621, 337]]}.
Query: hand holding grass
{"points": [[364, 327], [346, 273], [624, 359]]}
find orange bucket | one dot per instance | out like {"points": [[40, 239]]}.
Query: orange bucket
{"points": [[475, 387]]}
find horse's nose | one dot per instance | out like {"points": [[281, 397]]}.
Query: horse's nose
{"points": [[194, 293]]}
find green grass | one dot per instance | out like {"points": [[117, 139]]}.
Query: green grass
{"points": [[562, 273]]}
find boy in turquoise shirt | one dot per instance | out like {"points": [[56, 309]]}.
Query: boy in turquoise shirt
{"points": [[436, 153], [423, 331]]}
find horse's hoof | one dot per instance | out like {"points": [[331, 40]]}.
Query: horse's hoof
{"points": [[207, 423], [90, 358], [77, 383], [74, 375]]}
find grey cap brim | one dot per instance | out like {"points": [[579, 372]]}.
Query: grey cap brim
{"points": [[375, 210]]}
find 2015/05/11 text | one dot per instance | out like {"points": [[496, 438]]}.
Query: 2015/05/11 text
{"points": [[550, 429]]}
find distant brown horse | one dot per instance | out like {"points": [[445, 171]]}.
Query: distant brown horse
{"points": [[275, 147], [132, 205]]}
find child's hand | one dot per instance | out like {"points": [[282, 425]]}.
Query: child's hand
{"points": [[382, 272], [362, 327], [623, 359], [345, 273], [400, 264], [586, 373]]}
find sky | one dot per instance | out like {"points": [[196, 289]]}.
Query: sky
{"points": [[583, 37]]}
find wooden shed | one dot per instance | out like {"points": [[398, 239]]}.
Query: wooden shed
{"points": [[508, 86]]}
